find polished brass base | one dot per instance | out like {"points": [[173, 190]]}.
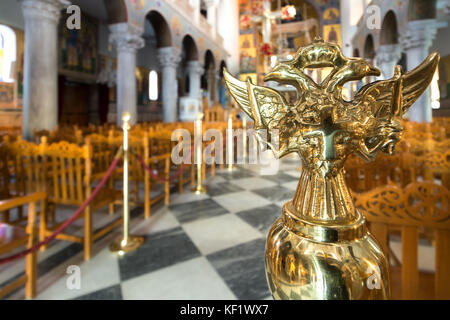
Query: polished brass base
{"points": [[201, 189], [324, 262], [122, 246]]}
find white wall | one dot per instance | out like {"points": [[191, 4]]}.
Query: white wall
{"points": [[11, 13], [351, 12], [228, 28]]}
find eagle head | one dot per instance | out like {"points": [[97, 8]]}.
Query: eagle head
{"points": [[282, 72], [362, 68]]}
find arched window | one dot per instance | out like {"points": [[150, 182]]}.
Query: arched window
{"points": [[153, 85], [7, 53]]}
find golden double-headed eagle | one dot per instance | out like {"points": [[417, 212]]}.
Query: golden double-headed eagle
{"points": [[365, 125]]}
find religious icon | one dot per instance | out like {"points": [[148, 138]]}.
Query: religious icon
{"points": [[331, 14], [245, 44], [138, 5], [245, 23], [176, 25], [332, 35], [72, 50], [201, 43], [320, 247]]}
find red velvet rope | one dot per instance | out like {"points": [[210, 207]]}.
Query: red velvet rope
{"points": [[94, 193], [68, 221], [157, 177]]}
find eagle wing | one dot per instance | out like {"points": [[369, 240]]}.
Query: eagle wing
{"points": [[393, 97], [265, 106], [389, 100]]}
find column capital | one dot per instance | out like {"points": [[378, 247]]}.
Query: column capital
{"points": [[388, 53], [43, 9], [195, 67], [125, 37], [169, 57], [419, 34]]}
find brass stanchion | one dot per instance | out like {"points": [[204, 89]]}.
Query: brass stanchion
{"points": [[128, 242], [244, 134], [231, 167], [198, 132]]}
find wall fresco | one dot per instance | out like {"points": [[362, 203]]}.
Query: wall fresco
{"points": [[78, 48]]}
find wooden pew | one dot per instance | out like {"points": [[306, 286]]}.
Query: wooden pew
{"points": [[18, 237], [419, 205]]}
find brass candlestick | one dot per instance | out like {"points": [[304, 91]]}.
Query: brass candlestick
{"points": [[230, 146], [244, 137], [127, 242], [198, 136], [320, 248]]}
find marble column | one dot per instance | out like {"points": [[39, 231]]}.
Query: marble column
{"points": [[40, 98], [127, 41], [387, 58], [169, 58], [194, 70], [416, 42]]}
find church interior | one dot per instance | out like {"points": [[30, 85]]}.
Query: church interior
{"points": [[97, 98]]}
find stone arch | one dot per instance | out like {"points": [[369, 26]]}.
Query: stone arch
{"points": [[189, 55], [209, 59], [208, 78], [190, 48], [161, 27], [223, 64], [221, 94], [117, 11], [421, 9], [389, 31], [369, 48]]}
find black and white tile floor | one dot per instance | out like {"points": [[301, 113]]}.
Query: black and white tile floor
{"points": [[207, 246]]}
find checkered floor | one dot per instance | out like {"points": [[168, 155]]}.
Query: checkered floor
{"points": [[199, 247]]}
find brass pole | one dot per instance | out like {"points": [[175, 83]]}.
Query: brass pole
{"points": [[198, 141], [127, 242], [230, 143], [126, 209], [244, 133]]}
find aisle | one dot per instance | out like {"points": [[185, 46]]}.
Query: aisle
{"points": [[199, 247]]}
